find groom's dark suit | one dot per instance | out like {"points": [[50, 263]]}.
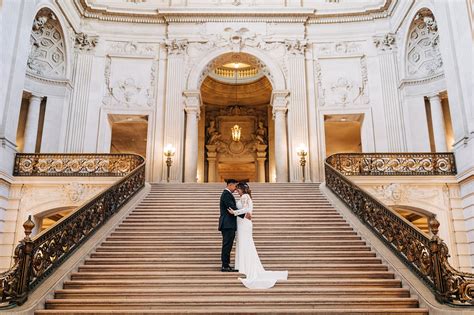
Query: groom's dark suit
{"points": [[227, 225]]}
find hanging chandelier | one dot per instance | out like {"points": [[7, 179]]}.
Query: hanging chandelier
{"points": [[236, 130]]}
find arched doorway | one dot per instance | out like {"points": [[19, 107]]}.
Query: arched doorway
{"points": [[236, 131]]}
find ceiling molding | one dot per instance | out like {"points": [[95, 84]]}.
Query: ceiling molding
{"points": [[242, 14]]}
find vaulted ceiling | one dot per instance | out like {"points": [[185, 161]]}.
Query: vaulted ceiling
{"points": [[223, 94]]}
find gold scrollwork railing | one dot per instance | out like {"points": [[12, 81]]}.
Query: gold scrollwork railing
{"points": [[36, 258], [384, 164], [426, 257]]}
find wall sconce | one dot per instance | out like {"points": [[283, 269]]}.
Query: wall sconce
{"points": [[302, 153], [169, 153], [236, 130]]}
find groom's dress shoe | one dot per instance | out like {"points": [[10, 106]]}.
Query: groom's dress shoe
{"points": [[226, 269]]}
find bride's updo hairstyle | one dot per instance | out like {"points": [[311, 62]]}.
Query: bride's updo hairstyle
{"points": [[245, 188]]}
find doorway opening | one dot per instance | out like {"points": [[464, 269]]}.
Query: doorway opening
{"points": [[343, 133], [129, 133]]}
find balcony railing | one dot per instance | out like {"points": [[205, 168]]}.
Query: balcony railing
{"points": [[426, 256], [36, 258]]}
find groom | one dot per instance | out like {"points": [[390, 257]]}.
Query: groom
{"points": [[227, 224]]}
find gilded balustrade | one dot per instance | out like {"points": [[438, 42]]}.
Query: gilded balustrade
{"points": [[36, 258], [426, 257]]}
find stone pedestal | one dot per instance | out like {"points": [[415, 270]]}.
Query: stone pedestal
{"points": [[211, 159], [261, 158]]}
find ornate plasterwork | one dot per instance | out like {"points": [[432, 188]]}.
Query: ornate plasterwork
{"points": [[338, 48], [342, 88], [176, 46], [423, 57], [405, 194], [247, 11], [133, 48], [126, 91], [47, 54], [385, 42], [84, 42]]}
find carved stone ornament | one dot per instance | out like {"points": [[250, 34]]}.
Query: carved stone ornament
{"points": [[423, 56], [77, 192], [296, 47], [85, 42], [386, 42], [338, 48], [343, 91], [47, 53], [126, 92], [176, 46], [395, 193], [132, 48]]}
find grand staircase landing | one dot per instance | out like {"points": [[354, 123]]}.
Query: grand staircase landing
{"points": [[164, 258]]}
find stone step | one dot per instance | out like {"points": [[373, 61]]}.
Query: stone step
{"points": [[188, 249], [216, 254], [204, 302], [265, 260], [230, 283], [213, 275], [243, 292], [247, 311], [205, 268]]}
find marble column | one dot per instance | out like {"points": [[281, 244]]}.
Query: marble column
{"points": [[192, 102], [32, 123], [437, 119], [279, 103]]}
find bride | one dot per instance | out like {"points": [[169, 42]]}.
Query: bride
{"points": [[246, 256]]}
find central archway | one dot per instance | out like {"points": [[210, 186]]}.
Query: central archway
{"points": [[234, 140]]}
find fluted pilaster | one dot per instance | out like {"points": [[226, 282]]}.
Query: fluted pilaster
{"points": [[387, 49], [77, 120], [297, 113], [174, 113]]}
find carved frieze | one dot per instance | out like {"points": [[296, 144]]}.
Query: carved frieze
{"points": [[403, 194], [132, 48], [338, 48]]}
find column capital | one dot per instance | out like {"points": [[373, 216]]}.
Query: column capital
{"points": [[36, 97], [434, 96], [279, 101], [386, 42], [192, 102]]}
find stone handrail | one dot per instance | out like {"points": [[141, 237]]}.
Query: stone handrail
{"points": [[36, 258], [426, 257]]}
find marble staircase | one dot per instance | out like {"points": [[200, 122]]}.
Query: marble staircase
{"points": [[164, 258]]}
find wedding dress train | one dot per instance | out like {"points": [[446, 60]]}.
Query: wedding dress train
{"points": [[246, 256]]}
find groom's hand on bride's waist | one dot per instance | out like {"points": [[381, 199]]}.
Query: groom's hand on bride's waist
{"points": [[248, 216]]}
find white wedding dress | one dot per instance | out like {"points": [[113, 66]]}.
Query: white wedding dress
{"points": [[246, 256]]}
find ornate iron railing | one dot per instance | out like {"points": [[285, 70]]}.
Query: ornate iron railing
{"points": [[426, 257], [74, 164], [397, 164], [36, 258]]}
